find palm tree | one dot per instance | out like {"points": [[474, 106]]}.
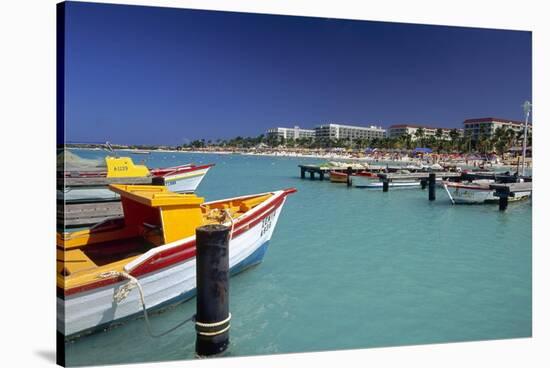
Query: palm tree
{"points": [[419, 134], [453, 134]]}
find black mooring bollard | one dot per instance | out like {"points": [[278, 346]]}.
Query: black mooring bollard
{"points": [[502, 202], [212, 320], [431, 187], [503, 198], [385, 185], [349, 171]]}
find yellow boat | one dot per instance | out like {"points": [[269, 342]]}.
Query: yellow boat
{"points": [[155, 244], [86, 180]]}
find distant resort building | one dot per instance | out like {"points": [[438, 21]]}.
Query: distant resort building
{"points": [[293, 133], [487, 126], [340, 131], [332, 131], [398, 130]]}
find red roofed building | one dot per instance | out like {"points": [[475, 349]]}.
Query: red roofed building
{"points": [[487, 126], [398, 130]]}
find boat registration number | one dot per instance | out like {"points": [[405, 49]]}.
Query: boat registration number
{"points": [[266, 223], [121, 168]]}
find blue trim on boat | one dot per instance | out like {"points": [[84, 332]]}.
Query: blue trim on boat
{"points": [[253, 259]]}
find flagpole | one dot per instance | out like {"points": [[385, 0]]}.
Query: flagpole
{"points": [[527, 110]]}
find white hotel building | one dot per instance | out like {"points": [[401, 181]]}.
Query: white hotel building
{"points": [[293, 133], [340, 131], [398, 130], [476, 127]]}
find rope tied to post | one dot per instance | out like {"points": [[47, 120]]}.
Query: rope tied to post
{"points": [[125, 290], [228, 215]]}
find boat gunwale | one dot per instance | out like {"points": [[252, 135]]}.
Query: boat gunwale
{"points": [[151, 261]]}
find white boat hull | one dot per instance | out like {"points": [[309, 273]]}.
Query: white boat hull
{"points": [[472, 195], [361, 181], [91, 310], [186, 182], [393, 184], [178, 183]]}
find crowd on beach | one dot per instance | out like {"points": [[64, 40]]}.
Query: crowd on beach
{"points": [[376, 155]]}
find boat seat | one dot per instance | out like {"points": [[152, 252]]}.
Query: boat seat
{"points": [[75, 260], [248, 204]]}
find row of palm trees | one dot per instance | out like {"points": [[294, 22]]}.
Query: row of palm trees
{"points": [[499, 141]]}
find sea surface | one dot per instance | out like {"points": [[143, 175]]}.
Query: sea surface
{"points": [[347, 268]]}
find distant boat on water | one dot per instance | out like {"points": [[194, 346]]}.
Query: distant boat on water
{"points": [[87, 180], [478, 191]]}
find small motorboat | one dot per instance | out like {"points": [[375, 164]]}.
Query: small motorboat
{"points": [[79, 180], [394, 184], [363, 179], [155, 244], [338, 177], [477, 191]]}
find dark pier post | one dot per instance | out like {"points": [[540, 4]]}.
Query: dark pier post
{"points": [[503, 194], [312, 175], [212, 320], [321, 175], [302, 172], [385, 185], [423, 183], [431, 187], [349, 171]]}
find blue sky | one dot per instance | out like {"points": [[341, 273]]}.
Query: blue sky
{"points": [[147, 75]]}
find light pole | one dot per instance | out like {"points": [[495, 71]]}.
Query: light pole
{"points": [[527, 109]]}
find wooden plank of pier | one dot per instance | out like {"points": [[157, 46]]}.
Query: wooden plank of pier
{"points": [[79, 214], [505, 190], [512, 187], [103, 181]]}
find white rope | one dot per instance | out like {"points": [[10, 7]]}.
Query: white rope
{"points": [[228, 214], [214, 324], [123, 292]]}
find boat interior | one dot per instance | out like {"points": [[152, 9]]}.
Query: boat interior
{"points": [[153, 216]]}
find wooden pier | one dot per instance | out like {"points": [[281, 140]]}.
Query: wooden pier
{"points": [[506, 190], [321, 171], [102, 181], [85, 214]]}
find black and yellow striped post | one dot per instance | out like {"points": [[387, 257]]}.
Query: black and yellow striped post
{"points": [[212, 320]]}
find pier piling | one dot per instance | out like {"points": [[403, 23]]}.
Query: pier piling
{"points": [[348, 179], [302, 172], [502, 203], [423, 183], [385, 185], [312, 175], [212, 320], [431, 187]]}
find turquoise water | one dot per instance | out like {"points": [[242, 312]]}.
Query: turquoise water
{"points": [[349, 268]]}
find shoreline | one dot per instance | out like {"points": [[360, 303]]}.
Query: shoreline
{"points": [[332, 156]]}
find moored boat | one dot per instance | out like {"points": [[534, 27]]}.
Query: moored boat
{"points": [[478, 191], [155, 244], [393, 184], [364, 179], [338, 177], [90, 184]]}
